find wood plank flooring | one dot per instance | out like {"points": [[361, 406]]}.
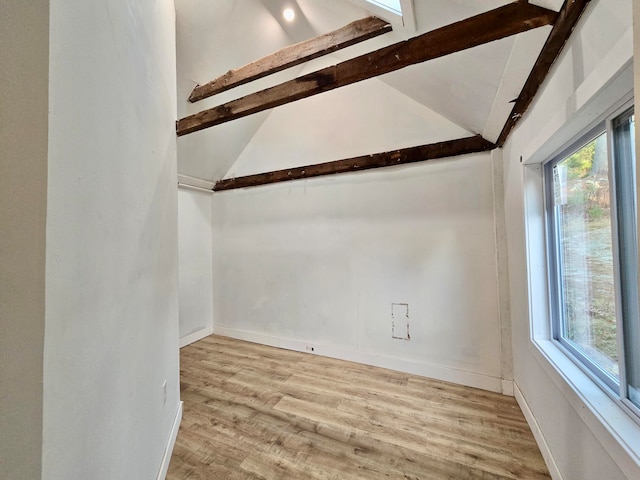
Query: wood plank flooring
{"points": [[256, 412]]}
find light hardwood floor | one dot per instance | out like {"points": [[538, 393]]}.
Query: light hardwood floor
{"points": [[256, 412]]}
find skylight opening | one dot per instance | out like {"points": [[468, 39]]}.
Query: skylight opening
{"points": [[397, 12], [391, 5]]}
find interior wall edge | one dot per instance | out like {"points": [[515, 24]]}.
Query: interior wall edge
{"points": [[502, 263], [24, 100], [195, 268]]}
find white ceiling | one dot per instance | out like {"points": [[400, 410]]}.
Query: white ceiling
{"points": [[465, 92]]}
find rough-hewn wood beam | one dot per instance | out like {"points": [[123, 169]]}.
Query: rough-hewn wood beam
{"points": [[423, 153], [480, 29], [567, 18], [302, 52]]}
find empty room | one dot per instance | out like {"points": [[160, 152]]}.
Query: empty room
{"points": [[319, 239]]}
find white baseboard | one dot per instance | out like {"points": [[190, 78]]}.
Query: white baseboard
{"points": [[554, 471], [166, 458], [507, 388], [461, 377], [195, 336]]}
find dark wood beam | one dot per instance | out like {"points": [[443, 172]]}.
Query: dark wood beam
{"points": [[302, 52], [567, 18], [480, 29], [423, 153]]}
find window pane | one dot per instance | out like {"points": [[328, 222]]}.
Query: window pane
{"points": [[623, 134], [393, 5], [585, 254]]}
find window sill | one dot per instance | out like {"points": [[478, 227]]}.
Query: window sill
{"points": [[618, 433]]}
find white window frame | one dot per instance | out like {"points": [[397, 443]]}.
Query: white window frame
{"points": [[616, 389], [616, 430]]}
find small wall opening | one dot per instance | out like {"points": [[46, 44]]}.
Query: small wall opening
{"points": [[400, 321]]}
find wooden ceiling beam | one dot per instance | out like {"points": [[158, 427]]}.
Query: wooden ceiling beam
{"points": [[423, 153], [568, 17], [480, 29], [302, 52]]}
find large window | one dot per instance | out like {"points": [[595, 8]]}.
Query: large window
{"points": [[591, 225]]}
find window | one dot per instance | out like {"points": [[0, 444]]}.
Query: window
{"points": [[393, 5], [398, 12], [592, 255]]}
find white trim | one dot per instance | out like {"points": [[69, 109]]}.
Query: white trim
{"points": [[616, 431], [195, 336], [193, 182], [447, 374], [408, 15], [554, 471], [507, 388], [166, 458], [191, 187]]}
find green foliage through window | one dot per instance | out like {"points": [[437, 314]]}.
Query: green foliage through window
{"points": [[579, 164]]}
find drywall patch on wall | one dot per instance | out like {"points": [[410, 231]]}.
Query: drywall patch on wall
{"points": [[400, 321]]}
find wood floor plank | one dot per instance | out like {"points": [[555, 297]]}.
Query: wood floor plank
{"points": [[438, 444], [448, 406], [256, 412]]}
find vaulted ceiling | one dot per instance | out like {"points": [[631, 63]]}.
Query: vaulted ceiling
{"points": [[459, 95]]}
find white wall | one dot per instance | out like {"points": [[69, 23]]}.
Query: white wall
{"points": [[111, 322], [24, 36], [579, 446], [195, 265], [318, 263], [205, 51]]}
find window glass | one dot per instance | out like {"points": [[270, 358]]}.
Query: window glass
{"points": [[581, 201], [393, 5], [624, 153], [593, 255]]}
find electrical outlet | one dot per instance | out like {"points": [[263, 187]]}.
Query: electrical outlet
{"points": [[164, 392]]}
